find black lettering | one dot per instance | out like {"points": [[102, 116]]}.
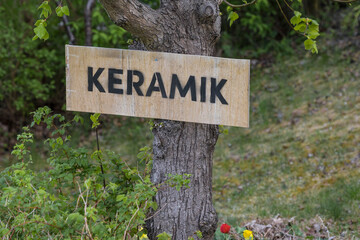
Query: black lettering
{"points": [[215, 91], [152, 87], [203, 89], [113, 80], [93, 79], [136, 85], [175, 83]]}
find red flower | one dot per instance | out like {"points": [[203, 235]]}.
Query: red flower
{"points": [[224, 228]]}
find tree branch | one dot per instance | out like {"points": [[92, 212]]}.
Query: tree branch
{"points": [[137, 18], [345, 1], [72, 39], [88, 27], [240, 5], [65, 19]]}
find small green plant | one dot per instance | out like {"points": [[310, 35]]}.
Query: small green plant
{"points": [[307, 27], [164, 236], [85, 194], [40, 25]]}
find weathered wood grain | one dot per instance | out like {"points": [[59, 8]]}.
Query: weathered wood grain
{"points": [[235, 91]]}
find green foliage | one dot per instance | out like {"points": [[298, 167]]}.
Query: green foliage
{"points": [[266, 23], [95, 120], [223, 129], [61, 11], [45, 9], [179, 181], [30, 71], [259, 30], [106, 33], [164, 236], [351, 19], [40, 29], [93, 194], [309, 28], [199, 234], [232, 16]]}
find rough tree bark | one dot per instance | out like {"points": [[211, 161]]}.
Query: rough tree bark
{"points": [[189, 27]]}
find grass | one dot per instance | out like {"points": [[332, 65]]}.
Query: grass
{"points": [[300, 156]]}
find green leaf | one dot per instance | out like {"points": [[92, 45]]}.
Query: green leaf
{"points": [[65, 10], [87, 183], [309, 44], [59, 11], [75, 217], [41, 21], [46, 9], [300, 27], [199, 234], [41, 32], [44, 4], [314, 49], [78, 118], [315, 22], [313, 34], [94, 118], [164, 236], [232, 17], [295, 20], [297, 14], [121, 197], [314, 27], [154, 205]]}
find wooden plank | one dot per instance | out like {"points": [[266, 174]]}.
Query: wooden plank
{"points": [[214, 90]]}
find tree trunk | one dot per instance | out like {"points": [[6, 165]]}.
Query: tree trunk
{"points": [[189, 27], [184, 148]]}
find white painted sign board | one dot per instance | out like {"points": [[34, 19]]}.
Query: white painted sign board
{"points": [[158, 85]]}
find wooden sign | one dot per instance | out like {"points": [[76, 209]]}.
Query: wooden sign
{"points": [[158, 85]]}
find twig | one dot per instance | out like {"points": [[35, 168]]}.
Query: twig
{"points": [[156, 213], [284, 15], [87, 13], [287, 4], [327, 230], [101, 166], [85, 212], [65, 20], [240, 5], [128, 223], [345, 1], [72, 39], [289, 235], [12, 230]]}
